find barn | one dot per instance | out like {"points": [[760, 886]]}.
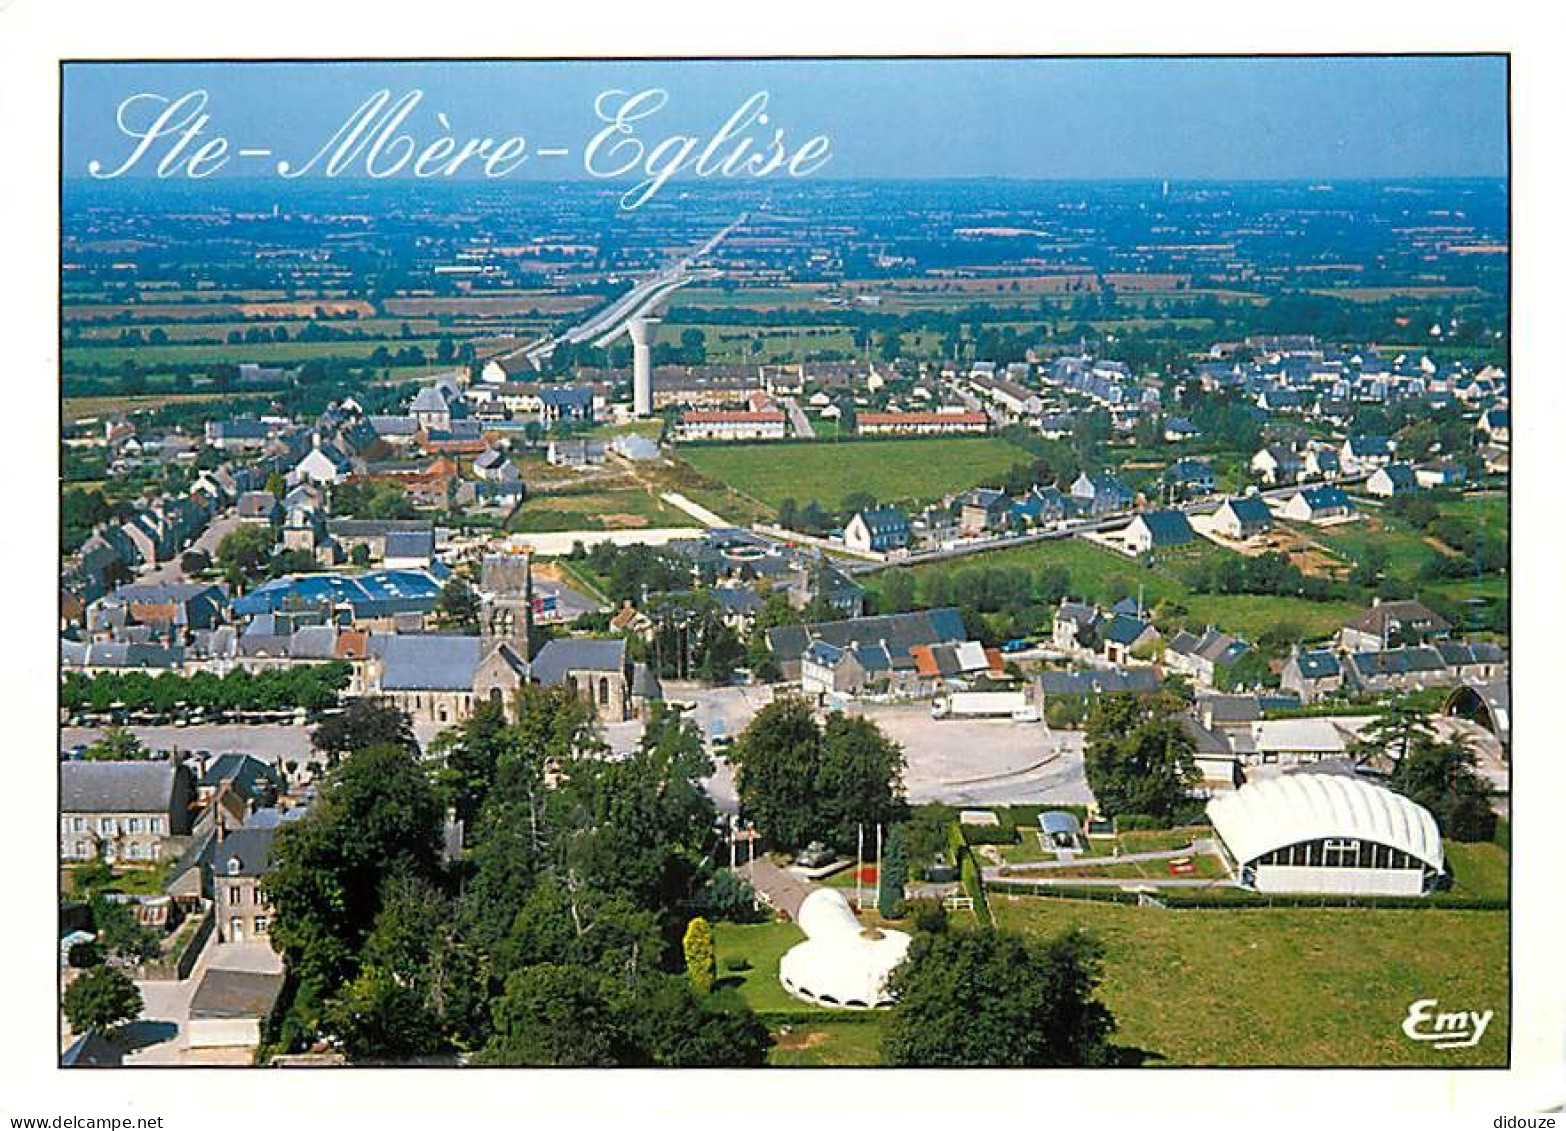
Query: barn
{"points": [[1328, 833]]}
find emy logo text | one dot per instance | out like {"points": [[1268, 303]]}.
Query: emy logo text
{"points": [[1461, 1029]]}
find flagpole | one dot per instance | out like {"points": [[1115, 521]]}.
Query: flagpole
{"points": [[859, 867]]}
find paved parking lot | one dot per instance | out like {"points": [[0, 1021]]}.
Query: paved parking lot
{"points": [[983, 761]]}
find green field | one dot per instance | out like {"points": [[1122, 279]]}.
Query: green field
{"points": [[1103, 576], [901, 471], [1316, 986]]}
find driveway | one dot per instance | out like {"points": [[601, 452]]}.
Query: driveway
{"points": [[162, 1031]]}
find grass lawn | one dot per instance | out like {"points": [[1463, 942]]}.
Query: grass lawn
{"points": [[1478, 870], [763, 946], [901, 470], [1318, 986]]}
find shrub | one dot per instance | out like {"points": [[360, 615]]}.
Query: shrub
{"points": [[701, 958]]}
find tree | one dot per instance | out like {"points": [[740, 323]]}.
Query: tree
{"points": [[555, 1017], [116, 745], [672, 1026], [1388, 739], [995, 999], [469, 754], [360, 554], [276, 485], [893, 874], [775, 760], [701, 958], [120, 932], [1444, 778], [245, 554], [363, 723], [377, 816], [897, 591], [800, 782], [458, 606], [101, 999], [859, 780], [1139, 759], [728, 897]]}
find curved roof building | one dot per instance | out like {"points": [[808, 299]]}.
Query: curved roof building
{"points": [[1321, 832], [841, 963]]}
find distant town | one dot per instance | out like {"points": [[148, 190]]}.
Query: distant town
{"points": [[492, 635]]}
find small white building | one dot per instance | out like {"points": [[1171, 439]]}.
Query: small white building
{"points": [[1328, 833]]}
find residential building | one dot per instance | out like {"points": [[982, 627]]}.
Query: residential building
{"points": [[879, 530], [1242, 518], [124, 811], [240, 859], [1157, 530]]}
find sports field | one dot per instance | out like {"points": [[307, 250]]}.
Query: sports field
{"points": [[894, 471]]}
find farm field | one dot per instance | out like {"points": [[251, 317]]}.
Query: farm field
{"points": [[76, 357], [904, 471], [78, 408], [1282, 987]]}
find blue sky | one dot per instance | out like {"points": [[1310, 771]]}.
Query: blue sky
{"points": [[1184, 119]]}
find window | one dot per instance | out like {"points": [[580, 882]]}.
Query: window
{"points": [[79, 824], [1337, 853], [106, 826], [236, 895], [133, 825], [262, 926], [603, 692], [155, 824]]}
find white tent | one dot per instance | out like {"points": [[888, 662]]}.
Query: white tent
{"points": [[841, 962], [1319, 832]]}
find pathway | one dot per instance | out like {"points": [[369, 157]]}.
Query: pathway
{"points": [[803, 429], [782, 890], [700, 513]]}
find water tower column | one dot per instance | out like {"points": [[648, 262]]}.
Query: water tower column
{"points": [[641, 331]]}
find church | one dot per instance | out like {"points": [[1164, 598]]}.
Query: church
{"points": [[440, 678]]}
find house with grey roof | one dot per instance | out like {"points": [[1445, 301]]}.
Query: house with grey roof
{"points": [[1242, 518], [1098, 681], [1204, 657], [124, 811], [230, 1007], [877, 530], [1318, 504], [1157, 530], [1075, 627], [1101, 494], [239, 861], [1312, 675], [1122, 636], [897, 634], [1389, 623], [1392, 480]]}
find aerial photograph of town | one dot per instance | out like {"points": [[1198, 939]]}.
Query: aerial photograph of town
{"points": [[810, 563]]}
